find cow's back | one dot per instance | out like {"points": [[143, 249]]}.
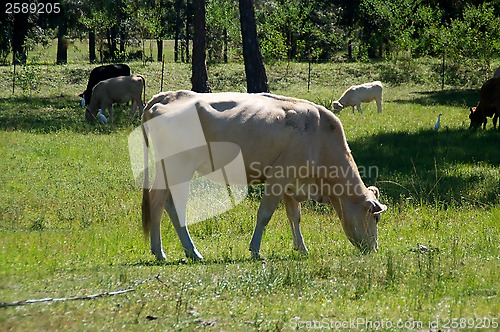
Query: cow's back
{"points": [[490, 93], [102, 73], [269, 129]]}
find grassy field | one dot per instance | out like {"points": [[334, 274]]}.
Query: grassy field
{"points": [[70, 217]]}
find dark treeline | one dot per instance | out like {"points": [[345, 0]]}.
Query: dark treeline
{"points": [[316, 30]]}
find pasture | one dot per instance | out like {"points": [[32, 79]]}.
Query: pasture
{"points": [[70, 216]]}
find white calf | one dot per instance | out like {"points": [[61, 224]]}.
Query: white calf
{"points": [[119, 89], [358, 94]]}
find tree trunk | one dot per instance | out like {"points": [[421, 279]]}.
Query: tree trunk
{"points": [[225, 45], [20, 30], [62, 44], [92, 56], [112, 47], [187, 36], [199, 78], [178, 28], [254, 65], [122, 43], [349, 49], [159, 45]]}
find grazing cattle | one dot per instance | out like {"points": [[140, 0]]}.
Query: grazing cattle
{"points": [[358, 94], [102, 73], [488, 106], [116, 90], [296, 148]]}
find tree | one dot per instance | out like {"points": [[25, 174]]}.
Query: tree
{"points": [[199, 78], [21, 26], [222, 28], [254, 65]]}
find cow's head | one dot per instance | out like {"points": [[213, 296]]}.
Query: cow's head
{"points": [[91, 116], [360, 220], [337, 106], [476, 118]]}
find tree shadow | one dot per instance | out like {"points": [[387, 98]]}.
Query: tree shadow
{"points": [[449, 167], [283, 257], [52, 114], [454, 97]]}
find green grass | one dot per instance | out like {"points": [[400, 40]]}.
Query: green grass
{"points": [[70, 217]]}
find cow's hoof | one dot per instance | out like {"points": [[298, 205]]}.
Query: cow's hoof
{"points": [[194, 255], [161, 257], [256, 256], [301, 249]]}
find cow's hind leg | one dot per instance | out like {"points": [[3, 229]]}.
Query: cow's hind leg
{"points": [[379, 105], [268, 205], [182, 231], [157, 200], [133, 109], [293, 213]]}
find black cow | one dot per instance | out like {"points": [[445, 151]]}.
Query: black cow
{"points": [[102, 73]]}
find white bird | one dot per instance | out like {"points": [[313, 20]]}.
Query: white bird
{"points": [[438, 122], [101, 119]]}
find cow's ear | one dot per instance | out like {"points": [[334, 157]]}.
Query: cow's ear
{"points": [[375, 191], [375, 206]]}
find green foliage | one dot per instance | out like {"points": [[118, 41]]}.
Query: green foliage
{"points": [[223, 29], [471, 43], [298, 29], [28, 77]]}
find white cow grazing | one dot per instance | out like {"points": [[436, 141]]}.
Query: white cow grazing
{"points": [[297, 148], [358, 94], [119, 89]]}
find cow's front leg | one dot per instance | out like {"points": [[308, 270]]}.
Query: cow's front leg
{"points": [[111, 113], [268, 205], [293, 214]]}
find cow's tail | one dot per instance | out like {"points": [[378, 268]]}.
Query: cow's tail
{"points": [[146, 205]]}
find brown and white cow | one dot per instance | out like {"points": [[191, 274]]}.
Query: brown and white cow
{"points": [[488, 106], [119, 89], [296, 148]]}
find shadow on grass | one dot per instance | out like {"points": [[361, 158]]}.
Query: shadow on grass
{"points": [[218, 261], [454, 97], [54, 113], [447, 167]]}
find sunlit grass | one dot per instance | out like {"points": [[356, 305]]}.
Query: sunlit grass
{"points": [[70, 217]]}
